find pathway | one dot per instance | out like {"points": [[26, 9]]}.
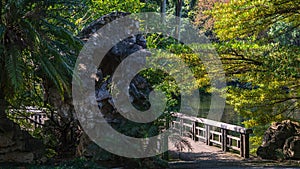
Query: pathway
{"points": [[203, 156]]}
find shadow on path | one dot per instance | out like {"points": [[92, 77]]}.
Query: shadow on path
{"points": [[203, 156]]}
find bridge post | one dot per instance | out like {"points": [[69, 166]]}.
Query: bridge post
{"points": [[242, 145], [207, 135], [224, 140], [194, 131], [181, 127], [245, 150], [40, 120], [246, 146], [165, 155]]}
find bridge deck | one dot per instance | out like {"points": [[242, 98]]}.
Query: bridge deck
{"points": [[201, 156], [201, 151], [204, 156]]}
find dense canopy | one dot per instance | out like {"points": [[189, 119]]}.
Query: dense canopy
{"points": [[257, 41]]}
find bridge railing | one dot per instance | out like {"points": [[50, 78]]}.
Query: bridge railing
{"points": [[34, 116], [214, 133]]}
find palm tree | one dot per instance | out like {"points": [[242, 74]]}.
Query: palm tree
{"points": [[36, 44]]}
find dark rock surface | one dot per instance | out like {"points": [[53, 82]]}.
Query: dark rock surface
{"points": [[280, 137], [292, 147], [17, 145], [139, 88]]}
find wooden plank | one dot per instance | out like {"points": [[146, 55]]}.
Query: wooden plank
{"points": [[200, 128], [230, 127], [201, 137], [233, 137], [224, 140], [246, 144], [216, 133], [166, 142], [187, 125], [216, 142], [234, 148], [242, 145], [181, 127], [202, 133], [194, 131], [207, 135]]}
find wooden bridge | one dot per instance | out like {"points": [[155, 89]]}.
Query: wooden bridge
{"points": [[215, 145], [213, 133], [32, 115], [201, 130]]}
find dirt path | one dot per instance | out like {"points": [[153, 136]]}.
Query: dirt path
{"points": [[203, 156]]}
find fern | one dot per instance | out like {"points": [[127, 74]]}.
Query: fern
{"points": [[15, 68], [180, 143], [52, 73]]}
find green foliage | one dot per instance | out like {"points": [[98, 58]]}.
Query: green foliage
{"points": [[77, 163], [14, 66], [34, 36], [98, 8], [171, 49], [279, 154], [188, 8], [247, 17], [21, 118], [107, 6], [259, 48], [284, 34], [151, 6], [38, 50], [50, 153]]}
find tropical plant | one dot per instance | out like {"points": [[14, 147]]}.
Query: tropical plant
{"points": [[37, 42], [38, 49]]}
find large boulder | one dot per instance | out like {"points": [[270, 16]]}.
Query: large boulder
{"points": [[17, 145], [91, 151], [139, 88], [276, 137], [291, 147]]}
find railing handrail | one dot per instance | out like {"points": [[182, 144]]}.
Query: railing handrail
{"points": [[211, 136], [33, 115], [213, 123]]}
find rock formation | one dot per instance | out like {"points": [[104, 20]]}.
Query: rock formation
{"points": [[139, 88], [281, 137], [292, 147], [17, 145]]}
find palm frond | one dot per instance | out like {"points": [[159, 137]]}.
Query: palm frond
{"points": [[52, 73], [2, 31], [37, 39], [180, 143], [14, 68]]}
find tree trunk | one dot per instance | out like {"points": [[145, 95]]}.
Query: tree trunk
{"points": [[64, 125], [178, 8], [163, 9], [178, 13], [3, 104]]}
